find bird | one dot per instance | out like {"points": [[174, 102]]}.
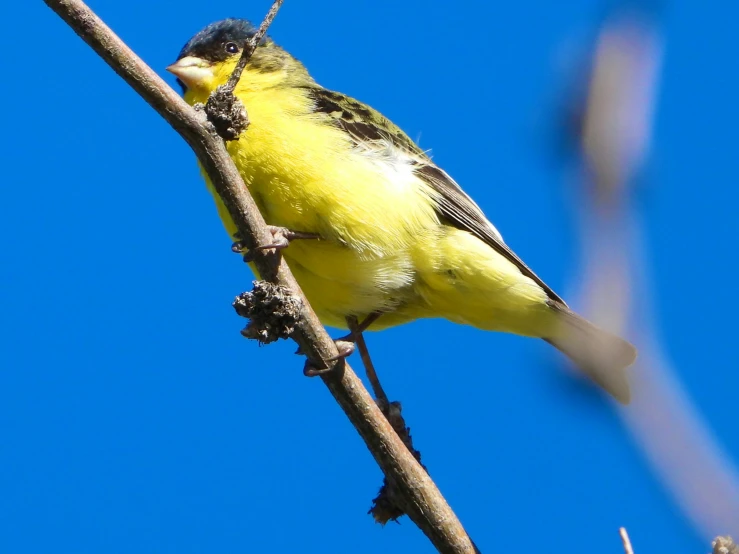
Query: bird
{"points": [[395, 238]]}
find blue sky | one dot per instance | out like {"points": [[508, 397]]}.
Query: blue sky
{"points": [[135, 418]]}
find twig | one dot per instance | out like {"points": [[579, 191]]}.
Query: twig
{"points": [[627, 542], [252, 44], [425, 505], [224, 109]]}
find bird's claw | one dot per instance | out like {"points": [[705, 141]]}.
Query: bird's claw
{"points": [[281, 238], [345, 348]]}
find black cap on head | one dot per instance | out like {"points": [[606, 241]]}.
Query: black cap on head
{"points": [[224, 40], [211, 43]]}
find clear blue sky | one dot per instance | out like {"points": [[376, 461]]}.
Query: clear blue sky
{"points": [[135, 418]]}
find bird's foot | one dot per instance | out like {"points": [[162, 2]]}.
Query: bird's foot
{"points": [[346, 348], [360, 327], [281, 238]]}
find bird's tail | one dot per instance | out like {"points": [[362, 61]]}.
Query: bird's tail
{"points": [[602, 356]]}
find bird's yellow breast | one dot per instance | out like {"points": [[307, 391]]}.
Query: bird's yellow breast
{"points": [[304, 174]]}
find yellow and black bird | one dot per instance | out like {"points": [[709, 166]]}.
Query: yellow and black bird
{"points": [[399, 239]]}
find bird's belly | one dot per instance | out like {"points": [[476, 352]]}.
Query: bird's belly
{"points": [[340, 277], [339, 282], [367, 214]]}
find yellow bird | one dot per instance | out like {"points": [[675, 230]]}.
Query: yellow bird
{"points": [[399, 239]]}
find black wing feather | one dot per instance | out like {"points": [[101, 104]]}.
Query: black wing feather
{"points": [[462, 212]]}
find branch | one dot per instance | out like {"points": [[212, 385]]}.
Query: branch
{"points": [[628, 549], [720, 545], [724, 545], [224, 110], [252, 44], [424, 503]]}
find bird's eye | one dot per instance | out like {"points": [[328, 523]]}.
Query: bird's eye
{"points": [[231, 47]]}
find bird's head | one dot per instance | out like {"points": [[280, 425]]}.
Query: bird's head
{"points": [[209, 58]]}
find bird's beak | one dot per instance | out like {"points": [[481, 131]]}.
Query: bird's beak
{"points": [[192, 71]]}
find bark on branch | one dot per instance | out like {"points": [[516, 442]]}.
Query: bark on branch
{"points": [[423, 501]]}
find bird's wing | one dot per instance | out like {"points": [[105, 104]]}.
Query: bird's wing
{"points": [[362, 123], [460, 210], [366, 125]]}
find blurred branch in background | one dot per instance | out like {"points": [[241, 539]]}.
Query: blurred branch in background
{"points": [[628, 549], [609, 119], [725, 545]]}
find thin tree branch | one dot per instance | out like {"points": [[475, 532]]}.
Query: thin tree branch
{"points": [[224, 110], [628, 549], [252, 44], [425, 504]]}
